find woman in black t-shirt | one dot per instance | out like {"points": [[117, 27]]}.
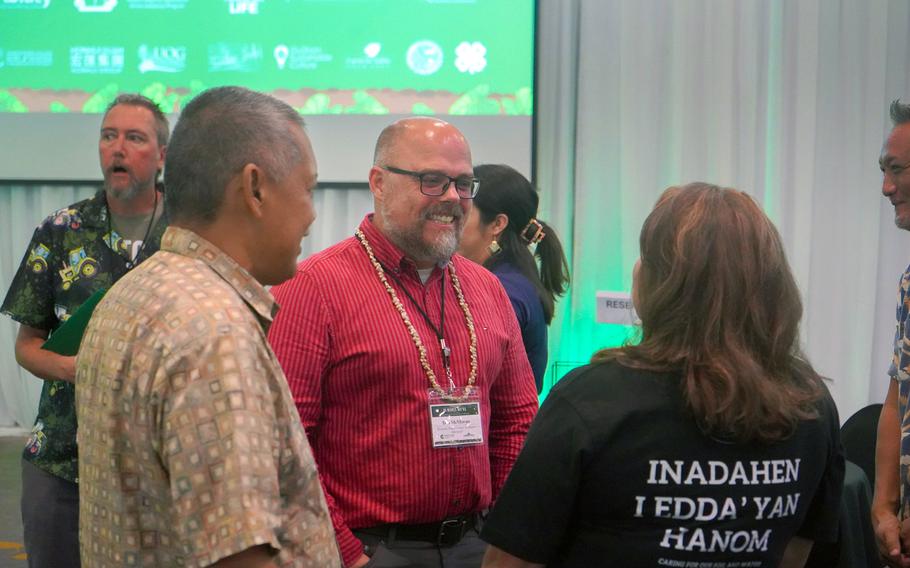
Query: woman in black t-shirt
{"points": [[712, 443]]}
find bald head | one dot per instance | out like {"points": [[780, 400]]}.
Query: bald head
{"points": [[424, 223], [407, 133]]}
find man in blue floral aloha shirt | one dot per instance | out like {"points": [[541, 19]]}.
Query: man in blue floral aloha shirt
{"points": [[73, 253]]}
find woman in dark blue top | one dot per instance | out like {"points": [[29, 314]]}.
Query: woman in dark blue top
{"points": [[499, 233]]}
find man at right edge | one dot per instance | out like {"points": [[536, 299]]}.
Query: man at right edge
{"points": [[891, 504]]}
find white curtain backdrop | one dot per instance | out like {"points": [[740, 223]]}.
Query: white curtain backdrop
{"points": [[785, 99], [23, 207]]}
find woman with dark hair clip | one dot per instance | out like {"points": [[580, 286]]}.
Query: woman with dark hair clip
{"points": [[711, 442], [498, 234]]}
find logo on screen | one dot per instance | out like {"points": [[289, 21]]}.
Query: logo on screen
{"points": [[96, 60], [95, 5], [243, 6], [25, 4], [424, 57], [243, 57], [299, 57], [26, 58], [162, 58], [281, 53], [157, 4], [470, 57], [371, 58]]}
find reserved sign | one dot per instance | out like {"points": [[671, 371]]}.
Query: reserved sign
{"points": [[616, 307]]}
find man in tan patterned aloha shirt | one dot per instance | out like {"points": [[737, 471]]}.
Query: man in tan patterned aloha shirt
{"points": [[191, 448]]}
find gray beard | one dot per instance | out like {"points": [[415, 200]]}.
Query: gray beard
{"points": [[411, 242], [126, 194]]}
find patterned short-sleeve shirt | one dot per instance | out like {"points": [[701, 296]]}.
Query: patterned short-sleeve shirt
{"points": [[73, 253], [191, 446], [900, 371]]}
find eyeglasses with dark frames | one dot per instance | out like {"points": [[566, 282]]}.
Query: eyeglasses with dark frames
{"points": [[434, 184]]}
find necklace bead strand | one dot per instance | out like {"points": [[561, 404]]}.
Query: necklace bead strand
{"points": [[412, 331]]}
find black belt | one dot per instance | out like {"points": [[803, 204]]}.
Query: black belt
{"points": [[447, 532]]}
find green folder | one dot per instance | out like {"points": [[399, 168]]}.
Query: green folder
{"points": [[65, 339]]}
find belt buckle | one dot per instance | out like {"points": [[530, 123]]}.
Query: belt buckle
{"points": [[450, 532]]}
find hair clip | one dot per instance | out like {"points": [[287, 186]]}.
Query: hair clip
{"points": [[537, 235]]}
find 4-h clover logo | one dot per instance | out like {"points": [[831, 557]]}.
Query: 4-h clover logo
{"points": [[470, 57]]}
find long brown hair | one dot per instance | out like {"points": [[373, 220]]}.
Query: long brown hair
{"points": [[718, 303]]}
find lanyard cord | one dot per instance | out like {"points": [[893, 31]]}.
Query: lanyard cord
{"points": [[415, 337], [444, 349], [148, 229]]}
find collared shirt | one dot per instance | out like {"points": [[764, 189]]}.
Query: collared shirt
{"points": [[73, 253], [362, 393], [900, 371], [191, 448]]}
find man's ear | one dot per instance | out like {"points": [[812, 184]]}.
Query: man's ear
{"points": [[252, 180], [377, 182], [162, 153]]}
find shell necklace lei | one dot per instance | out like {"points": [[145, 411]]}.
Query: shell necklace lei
{"points": [[415, 337]]}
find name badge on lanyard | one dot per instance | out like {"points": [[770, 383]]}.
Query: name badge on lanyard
{"points": [[455, 424]]}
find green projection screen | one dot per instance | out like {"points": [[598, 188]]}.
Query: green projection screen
{"points": [[349, 66]]}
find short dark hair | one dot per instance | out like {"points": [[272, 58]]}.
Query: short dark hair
{"points": [[162, 128], [219, 132], [900, 113]]}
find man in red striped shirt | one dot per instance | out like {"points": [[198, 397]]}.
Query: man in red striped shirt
{"points": [[406, 363]]}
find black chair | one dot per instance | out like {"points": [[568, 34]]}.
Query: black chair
{"points": [[855, 546], [858, 435]]}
